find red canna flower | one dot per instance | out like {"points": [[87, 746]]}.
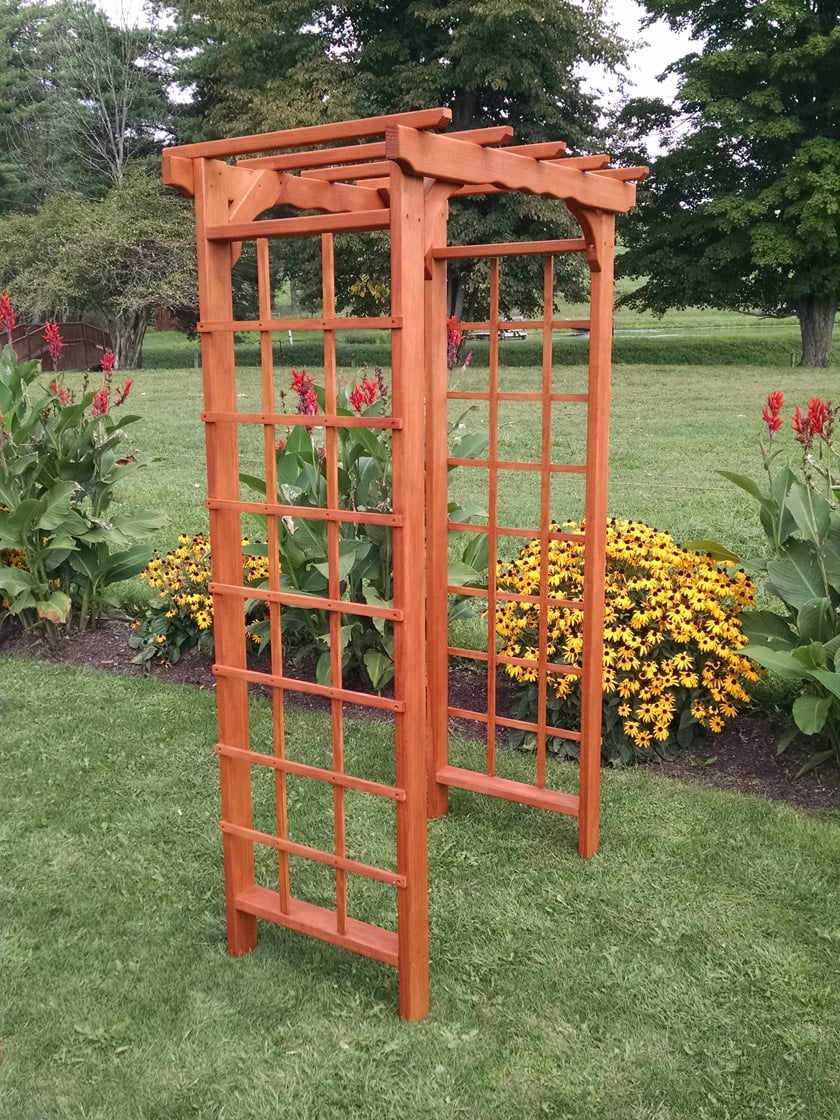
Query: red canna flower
{"points": [[54, 341], [60, 392], [364, 394], [303, 385], [106, 362], [7, 316], [818, 415], [99, 405], [123, 392], [770, 414]]}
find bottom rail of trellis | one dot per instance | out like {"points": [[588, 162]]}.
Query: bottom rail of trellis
{"points": [[306, 917], [475, 782]]}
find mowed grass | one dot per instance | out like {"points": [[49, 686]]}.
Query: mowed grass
{"points": [[672, 428], [686, 972]]}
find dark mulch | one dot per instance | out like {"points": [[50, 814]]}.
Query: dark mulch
{"points": [[741, 758]]}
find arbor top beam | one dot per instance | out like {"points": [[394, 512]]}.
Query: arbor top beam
{"points": [[318, 161], [454, 161], [361, 129]]}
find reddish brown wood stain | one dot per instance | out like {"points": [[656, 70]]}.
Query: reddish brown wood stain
{"points": [[400, 179]]}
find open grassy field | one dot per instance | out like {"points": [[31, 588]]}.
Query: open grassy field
{"points": [[672, 427], [687, 972]]}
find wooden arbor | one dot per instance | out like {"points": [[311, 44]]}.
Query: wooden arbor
{"points": [[395, 174]]}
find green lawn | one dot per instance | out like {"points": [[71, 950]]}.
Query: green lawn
{"points": [[672, 427], [687, 972]]}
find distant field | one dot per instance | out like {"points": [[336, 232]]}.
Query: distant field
{"points": [[672, 428], [690, 337]]}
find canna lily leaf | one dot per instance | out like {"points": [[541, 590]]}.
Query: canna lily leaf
{"points": [[766, 628], [810, 512], [795, 576], [811, 712], [778, 661], [714, 549]]}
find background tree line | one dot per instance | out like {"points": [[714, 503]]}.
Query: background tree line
{"points": [[742, 209]]}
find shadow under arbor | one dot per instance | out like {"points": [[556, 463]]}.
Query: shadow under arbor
{"points": [[395, 174]]}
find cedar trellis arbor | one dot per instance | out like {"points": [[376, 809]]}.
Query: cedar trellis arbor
{"points": [[390, 173]]}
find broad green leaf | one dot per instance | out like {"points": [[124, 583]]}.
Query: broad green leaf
{"points": [[830, 681], [373, 444], [817, 621], [57, 506], [322, 669], [778, 661], [810, 713], [379, 667], [127, 527], [812, 656], [748, 484], [126, 565], [714, 549], [787, 739], [809, 511], [471, 445], [831, 555], [795, 576], [766, 628], [814, 761], [464, 607], [462, 575], [300, 443], [350, 553], [255, 483], [15, 580]]}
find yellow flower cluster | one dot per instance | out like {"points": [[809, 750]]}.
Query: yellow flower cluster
{"points": [[181, 578], [671, 635]]}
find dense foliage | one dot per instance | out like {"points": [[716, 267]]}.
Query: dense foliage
{"points": [[672, 637], [62, 545], [801, 522], [741, 211], [111, 261]]}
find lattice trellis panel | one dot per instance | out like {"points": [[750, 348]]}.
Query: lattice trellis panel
{"points": [[383, 174]]}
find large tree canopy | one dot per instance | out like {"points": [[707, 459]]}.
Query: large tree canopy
{"points": [[743, 210], [80, 100], [282, 63], [112, 261]]}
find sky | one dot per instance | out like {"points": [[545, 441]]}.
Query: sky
{"points": [[645, 63]]}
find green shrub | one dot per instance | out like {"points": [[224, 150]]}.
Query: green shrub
{"points": [[63, 545]]}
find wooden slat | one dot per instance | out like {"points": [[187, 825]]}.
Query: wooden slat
{"points": [[313, 134], [511, 249], [358, 221], [292, 684], [521, 792], [337, 323], [316, 855], [303, 770], [455, 161], [306, 917]]}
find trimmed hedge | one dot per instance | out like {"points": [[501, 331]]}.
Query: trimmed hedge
{"points": [[775, 348]]}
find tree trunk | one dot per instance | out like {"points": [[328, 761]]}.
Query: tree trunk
{"points": [[816, 325], [127, 335]]}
